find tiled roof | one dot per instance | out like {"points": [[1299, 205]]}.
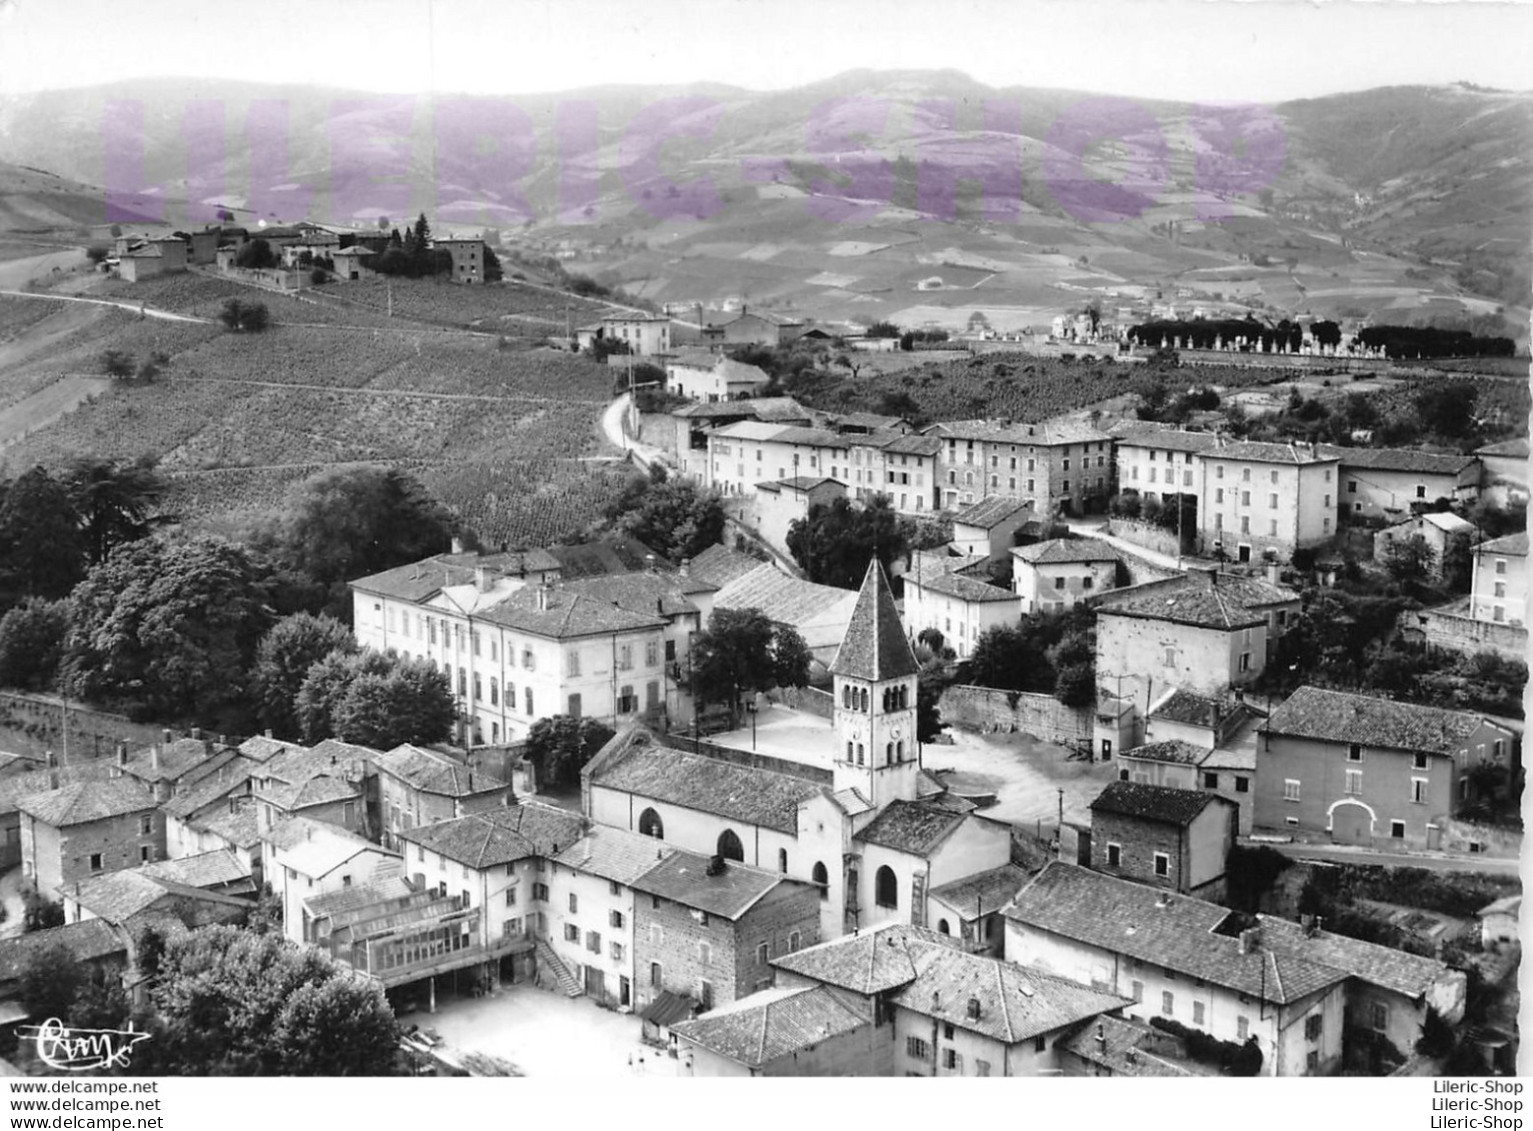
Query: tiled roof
{"points": [[240, 828], [87, 801], [358, 896], [785, 599], [1340, 716], [780, 410], [1202, 599], [1511, 544], [295, 832], [801, 482], [661, 594], [990, 512], [1152, 802], [866, 421], [560, 613], [1506, 905], [332, 758], [1183, 706], [772, 1023], [1516, 449], [87, 940], [874, 647], [614, 854], [1015, 1003], [430, 772], [1408, 974], [17, 786], [118, 896], [500, 836], [738, 372], [708, 785], [1044, 433], [204, 870], [946, 560], [321, 789], [262, 749], [914, 827], [1173, 751], [871, 963], [960, 587], [718, 566], [175, 759], [1258, 451], [683, 878], [1124, 1047], [1163, 439], [754, 430], [1059, 550], [983, 893], [812, 438], [1401, 459], [1173, 931], [906, 445]]}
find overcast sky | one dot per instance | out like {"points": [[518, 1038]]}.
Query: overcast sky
{"points": [[1245, 50]]}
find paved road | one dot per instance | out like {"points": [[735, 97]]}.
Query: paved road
{"points": [[130, 307], [1342, 854], [612, 429]]}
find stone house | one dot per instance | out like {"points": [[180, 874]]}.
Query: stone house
{"points": [[990, 526], [418, 787], [1390, 482], [1053, 576], [1178, 839], [1499, 590], [953, 595], [83, 830], [1260, 500]]}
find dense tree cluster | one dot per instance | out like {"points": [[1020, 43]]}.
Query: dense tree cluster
{"points": [[677, 520], [411, 255], [1431, 341], [374, 699], [743, 651], [834, 542], [1053, 654], [559, 746]]}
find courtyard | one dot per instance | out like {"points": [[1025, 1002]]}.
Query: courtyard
{"points": [[544, 1033], [1024, 773]]}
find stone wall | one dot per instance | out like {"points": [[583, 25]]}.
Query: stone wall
{"points": [[808, 699], [1145, 534], [1496, 840], [34, 723], [1456, 632], [988, 711]]}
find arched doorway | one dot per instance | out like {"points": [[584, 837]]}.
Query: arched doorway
{"points": [[821, 877], [651, 825], [1351, 823], [730, 847], [942, 927], [886, 888]]}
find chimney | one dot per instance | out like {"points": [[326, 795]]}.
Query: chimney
{"points": [[716, 866], [268, 732], [542, 598], [1250, 940], [482, 579], [122, 752], [197, 733], [457, 545], [649, 563], [936, 1001], [1274, 573], [1131, 1055], [686, 567], [154, 756]]}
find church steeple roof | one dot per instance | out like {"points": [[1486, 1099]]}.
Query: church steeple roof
{"points": [[874, 647]]}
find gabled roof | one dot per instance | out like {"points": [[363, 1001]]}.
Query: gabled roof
{"points": [[1043, 433], [211, 790], [87, 801], [635, 763], [1202, 599], [240, 828], [321, 789], [1512, 545], [1343, 717], [1401, 459], [430, 772], [718, 565], [316, 848], [1061, 550], [1408, 974], [419, 581], [1153, 802], [772, 1023], [902, 444], [175, 759], [1173, 931], [614, 854], [1136, 434], [17, 786], [983, 893], [1124, 1047], [683, 878], [1514, 449], [218, 868], [650, 592], [1258, 451], [87, 940], [801, 482], [874, 647], [991, 511], [560, 613], [780, 410], [785, 599], [500, 836], [871, 963], [262, 749], [1173, 751], [913, 827], [960, 587], [615, 554], [118, 896]]}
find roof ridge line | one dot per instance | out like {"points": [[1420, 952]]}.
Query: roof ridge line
{"points": [[1000, 984]]}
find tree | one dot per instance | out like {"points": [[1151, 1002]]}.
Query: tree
{"points": [[560, 745], [170, 626], [319, 276], [32, 637], [117, 363], [40, 914], [323, 688], [883, 330], [42, 552], [677, 520], [493, 272], [50, 979], [411, 702], [350, 522], [228, 1002], [1448, 407], [283, 659], [250, 317], [1437, 1038], [1011, 658], [255, 255], [96, 253], [834, 543], [1410, 560], [742, 650], [115, 501]]}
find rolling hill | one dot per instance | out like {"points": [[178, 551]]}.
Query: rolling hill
{"points": [[914, 195]]}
